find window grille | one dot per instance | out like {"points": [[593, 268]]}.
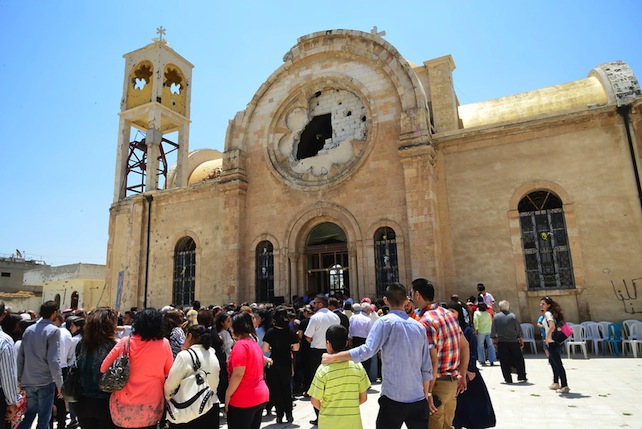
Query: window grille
{"points": [[386, 265], [265, 272], [547, 256], [184, 272]]}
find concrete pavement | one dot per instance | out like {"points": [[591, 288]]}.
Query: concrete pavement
{"points": [[605, 393]]}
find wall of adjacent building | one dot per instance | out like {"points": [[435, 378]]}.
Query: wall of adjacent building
{"points": [[584, 158]]}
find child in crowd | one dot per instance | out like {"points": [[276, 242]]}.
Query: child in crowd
{"points": [[339, 388]]}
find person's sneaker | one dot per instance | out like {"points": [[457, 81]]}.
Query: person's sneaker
{"points": [[564, 389], [554, 386]]}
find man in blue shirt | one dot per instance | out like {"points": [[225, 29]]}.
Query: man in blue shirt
{"points": [[407, 368], [39, 367]]}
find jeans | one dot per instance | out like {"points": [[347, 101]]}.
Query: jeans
{"points": [[393, 414], [483, 340], [39, 401], [555, 359]]}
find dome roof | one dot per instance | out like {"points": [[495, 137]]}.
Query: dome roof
{"points": [[202, 165], [207, 170]]}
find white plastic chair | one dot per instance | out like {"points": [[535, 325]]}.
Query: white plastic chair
{"points": [[634, 339], [604, 328], [627, 326], [578, 339], [593, 335], [528, 334]]}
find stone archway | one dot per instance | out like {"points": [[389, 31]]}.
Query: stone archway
{"points": [[327, 262], [302, 244]]}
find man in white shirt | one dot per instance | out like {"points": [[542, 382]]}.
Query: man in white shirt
{"points": [[315, 333], [488, 298], [360, 326], [65, 345]]}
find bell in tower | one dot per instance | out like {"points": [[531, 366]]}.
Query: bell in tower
{"points": [[154, 119]]}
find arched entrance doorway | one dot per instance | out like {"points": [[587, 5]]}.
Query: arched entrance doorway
{"points": [[326, 258]]}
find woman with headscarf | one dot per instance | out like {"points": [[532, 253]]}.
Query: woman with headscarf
{"points": [[474, 407]]}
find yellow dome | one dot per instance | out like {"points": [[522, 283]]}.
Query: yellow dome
{"points": [[208, 170]]}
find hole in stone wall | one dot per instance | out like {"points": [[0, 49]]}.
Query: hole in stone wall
{"points": [[139, 84], [314, 136], [363, 119], [175, 88], [349, 113]]}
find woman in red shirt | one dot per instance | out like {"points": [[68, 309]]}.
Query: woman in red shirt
{"points": [[247, 392]]}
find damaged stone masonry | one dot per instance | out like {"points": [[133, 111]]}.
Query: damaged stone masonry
{"points": [[325, 135]]}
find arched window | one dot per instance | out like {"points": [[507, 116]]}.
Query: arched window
{"points": [[386, 265], [265, 272], [74, 300], [547, 256], [184, 272]]}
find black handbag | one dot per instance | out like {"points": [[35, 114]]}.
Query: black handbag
{"points": [[561, 333], [71, 387], [117, 374]]}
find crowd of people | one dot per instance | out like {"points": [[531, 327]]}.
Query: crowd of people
{"points": [[257, 358]]}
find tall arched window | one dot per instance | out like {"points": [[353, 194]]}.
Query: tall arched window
{"points": [[545, 241], [386, 265], [184, 272], [265, 272]]}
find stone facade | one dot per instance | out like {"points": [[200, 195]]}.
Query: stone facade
{"points": [[349, 133]]}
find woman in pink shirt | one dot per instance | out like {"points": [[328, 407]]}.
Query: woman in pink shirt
{"points": [[140, 404], [247, 392]]}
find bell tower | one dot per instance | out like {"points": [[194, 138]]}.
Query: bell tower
{"points": [[155, 104]]}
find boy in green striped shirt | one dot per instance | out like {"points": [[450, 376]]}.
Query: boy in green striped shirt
{"points": [[340, 387]]}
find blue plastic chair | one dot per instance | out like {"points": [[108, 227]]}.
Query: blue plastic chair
{"points": [[614, 337]]}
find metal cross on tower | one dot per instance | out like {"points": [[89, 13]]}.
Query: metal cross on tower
{"points": [[161, 32]]}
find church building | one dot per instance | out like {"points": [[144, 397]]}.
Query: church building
{"points": [[353, 167]]}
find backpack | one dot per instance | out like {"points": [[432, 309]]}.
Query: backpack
{"points": [[193, 397]]}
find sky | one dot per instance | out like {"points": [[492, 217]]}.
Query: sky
{"points": [[62, 72]]}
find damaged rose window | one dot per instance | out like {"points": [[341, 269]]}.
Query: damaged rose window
{"points": [[314, 136]]}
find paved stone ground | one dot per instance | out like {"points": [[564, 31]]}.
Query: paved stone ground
{"points": [[605, 393]]}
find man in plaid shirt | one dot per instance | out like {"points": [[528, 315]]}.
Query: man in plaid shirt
{"points": [[449, 351]]}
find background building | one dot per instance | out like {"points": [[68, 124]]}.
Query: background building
{"points": [[352, 168], [13, 291], [71, 286]]}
